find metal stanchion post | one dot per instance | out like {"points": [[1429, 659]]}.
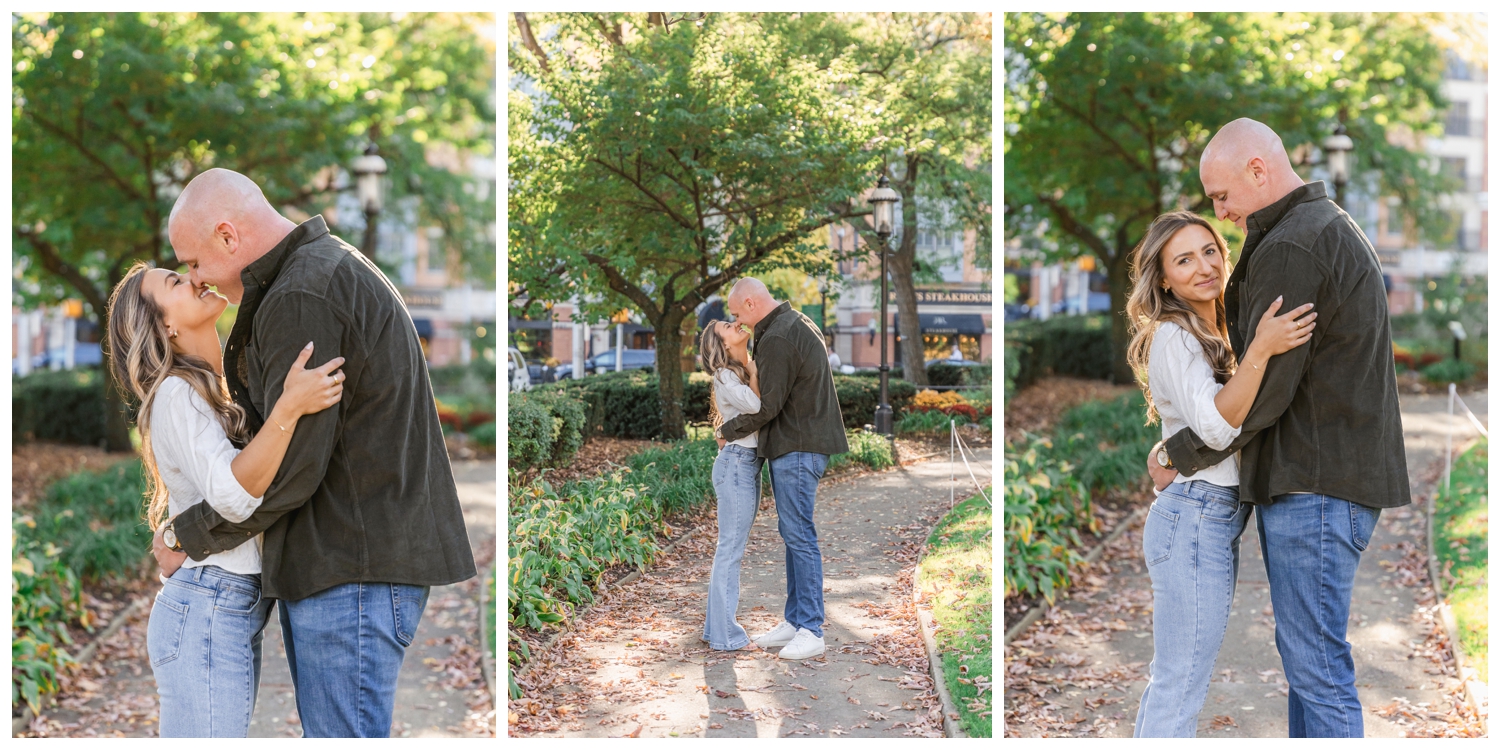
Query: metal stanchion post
{"points": [[952, 467], [1448, 445]]}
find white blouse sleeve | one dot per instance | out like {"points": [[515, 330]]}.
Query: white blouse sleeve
{"points": [[185, 432], [736, 393], [1180, 374]]}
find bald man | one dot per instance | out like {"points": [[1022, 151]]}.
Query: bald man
{"points": [[1321, 451], [799, 426], [363, 516]]}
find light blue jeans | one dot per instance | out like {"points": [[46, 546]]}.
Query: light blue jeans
{"points": [[204, 639], [737, 485], [794, 480], [1312, 545], [345, 646], [1192, 548]]}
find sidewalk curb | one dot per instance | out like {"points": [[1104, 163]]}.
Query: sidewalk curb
{"points": [[951, 727], [20, 723], [599, 593], [1039, 610], [1466, 675]]}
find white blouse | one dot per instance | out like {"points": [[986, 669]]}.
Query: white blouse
{"points": [[1183, 389], [193, 455], [734, 397]]}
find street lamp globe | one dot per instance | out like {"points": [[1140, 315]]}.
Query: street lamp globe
{"points": [[367, 171], [1338, 146], [884, 200]]}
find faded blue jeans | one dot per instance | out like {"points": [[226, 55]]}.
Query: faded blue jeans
{"points": [[1312, 545], [1192, 548], [737, 485], [204, 638], [794, 480], [345, 646]]}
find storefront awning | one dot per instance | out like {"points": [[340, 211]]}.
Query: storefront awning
{"points": [[515, 323], [941, 323]]}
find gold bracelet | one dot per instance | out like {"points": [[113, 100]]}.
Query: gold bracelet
{"points": [[278, 424]]}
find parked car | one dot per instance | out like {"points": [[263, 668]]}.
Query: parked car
{"points": [[516, 371], [954, 362], [635, 359]]}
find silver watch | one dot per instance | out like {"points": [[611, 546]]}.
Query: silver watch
{"points": [[1162, 459], [169, 537]]}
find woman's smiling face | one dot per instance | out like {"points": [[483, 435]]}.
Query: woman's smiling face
{"points": [[183, 306], [734, 334], [1193, 265]]}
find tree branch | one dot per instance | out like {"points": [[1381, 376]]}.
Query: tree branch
{"points": [[621, 285], [610, 32], [53, 262], [1071, 225], [529, 40]]}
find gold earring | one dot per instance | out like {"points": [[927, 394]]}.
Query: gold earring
{"points": [[171, 334]]}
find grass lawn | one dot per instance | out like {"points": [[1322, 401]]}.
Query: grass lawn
{"points": [[1461, 526], [489, 611], [956, 577]]}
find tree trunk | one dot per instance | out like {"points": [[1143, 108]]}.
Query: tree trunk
{"points": [[669, 375], [1119, 291], [903, 262], [116, 427]]}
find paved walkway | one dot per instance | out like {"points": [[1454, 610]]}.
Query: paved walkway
{"points": [[440, 692], [1083, 669], [635, 667]]}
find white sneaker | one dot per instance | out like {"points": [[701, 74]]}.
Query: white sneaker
{"points": [[781, 636], [803, 645]]}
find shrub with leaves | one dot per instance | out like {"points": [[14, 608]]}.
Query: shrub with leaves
{"points": [[45, 598], [868, 448]]}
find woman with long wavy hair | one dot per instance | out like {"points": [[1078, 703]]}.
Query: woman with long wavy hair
{"points": [[1181, 356], [205, 628], [736, 477]]}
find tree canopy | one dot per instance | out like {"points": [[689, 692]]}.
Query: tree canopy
{"points": [[113, 113], [1107, 114]]}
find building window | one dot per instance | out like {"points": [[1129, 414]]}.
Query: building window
{"points": [[1458, 70], [1458, 119]]}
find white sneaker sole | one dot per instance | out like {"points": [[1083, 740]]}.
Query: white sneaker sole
{"points": [[764, 642], [799, 657]]}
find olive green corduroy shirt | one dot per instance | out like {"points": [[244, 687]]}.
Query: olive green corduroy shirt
{"points": [[1327, 418], [365, 492], [799, 408]]}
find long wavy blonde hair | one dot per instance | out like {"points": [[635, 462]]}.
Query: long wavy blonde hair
{"points": [[1150, 305], [141, 357], [715, 358]]}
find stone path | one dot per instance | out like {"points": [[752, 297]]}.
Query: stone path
{"points": [[440, 692], [1083, 669], [635, 667]]}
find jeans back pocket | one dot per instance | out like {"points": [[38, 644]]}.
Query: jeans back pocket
{"points": [[1156, 540], [1362, 520], [164, 629], [407, 603]]}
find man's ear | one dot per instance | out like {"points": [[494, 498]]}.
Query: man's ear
{"points": [[227, 236], [1258, 172]]}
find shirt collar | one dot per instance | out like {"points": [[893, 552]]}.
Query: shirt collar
{"points": [[1262, 220], [765, 322], [263, 271]]}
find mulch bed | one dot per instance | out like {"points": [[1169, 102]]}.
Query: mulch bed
{"points": [[1038, 406], [35, 466]]}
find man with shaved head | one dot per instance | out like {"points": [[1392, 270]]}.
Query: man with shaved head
{"points": [[1321, 451], [363, 516], [798, 427]]}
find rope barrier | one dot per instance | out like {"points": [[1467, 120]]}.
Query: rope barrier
{"points": [[1448, 447], [956, 440]]}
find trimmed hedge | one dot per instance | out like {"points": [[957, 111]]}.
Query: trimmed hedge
{"points": [[860, 394], [545, 429], [66, 406], [1067, 345]]}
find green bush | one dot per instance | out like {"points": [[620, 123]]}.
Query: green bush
{"points": [[571, 420], [1050, 483], [680, 474], [66, 406], [628, 404], [859, 395], [868, 448], [927, 422], [97, 520], [560, 545], [529, 433], [483, 435], [1449, 371], [1067, 345], [45, 598]]}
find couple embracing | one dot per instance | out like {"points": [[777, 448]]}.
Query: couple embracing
{"points": [[1275, 384], [301, 466], [778, 407]]}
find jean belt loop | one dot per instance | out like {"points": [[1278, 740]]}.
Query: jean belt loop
{"points": [[198, 574]]}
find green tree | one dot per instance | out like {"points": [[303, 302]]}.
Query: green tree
{"points": [[655, 158], [1107, 114], [113, 113]]}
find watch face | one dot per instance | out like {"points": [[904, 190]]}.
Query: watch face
{"points": [[1161, 458]]}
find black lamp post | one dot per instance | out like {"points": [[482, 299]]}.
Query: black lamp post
{"points": [[1337, 147], [884, 200], [367, 172]]}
